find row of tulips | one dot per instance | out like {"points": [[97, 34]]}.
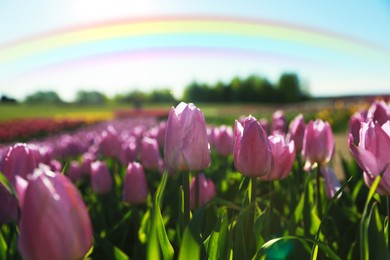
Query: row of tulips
{"points": [[178, 189], [25, 129]]}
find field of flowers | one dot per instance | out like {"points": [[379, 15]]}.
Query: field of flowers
{"points": [[143, 188]]}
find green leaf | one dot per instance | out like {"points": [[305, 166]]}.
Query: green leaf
{"points": [[376, 239], [158, 238], [105, 249], [284, 251], [4, 181], [191, 243], [241, 235], [364, 247], [3, 246]]}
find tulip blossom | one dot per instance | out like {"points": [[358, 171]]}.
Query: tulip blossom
{"points": [[55, 223], [129, 151], [279, 124], [379, 112], [101, 180], [186, 144], [206, 190], [283, 154], [20, 160], [264, 124], [355, 123], [372, 154], [318, 144], [252, 150], [75, 171], [332, 184], [150, 154], [224, 140], [135, 188], [296, 131], [20, 187], [110, 144]]}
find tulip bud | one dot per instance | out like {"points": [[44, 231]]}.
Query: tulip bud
{"points": [[75, 171], [279, 125], [150, 154], [135, 188], [110, 144], [8, 206], [206, 190], [283, 154], [379, 112], [20, 160], [332, 184], [20, 187], [318, 143], [252, 150], [186, 144], [297, 131], [101, 180], [264, 124], [129, 151], [355, 123], [372, 154], [224, 140], [55, 223]]}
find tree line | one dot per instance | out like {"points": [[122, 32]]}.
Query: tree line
{"points": [[252, 89]]}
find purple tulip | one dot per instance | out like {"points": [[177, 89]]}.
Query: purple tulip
{"points": [[318, 144], [224, 140], [296, 132], [75, 171], [372, 154], [379, 112], [135, 190], [101, 180], [252, 150], [20, 187], [283, 154], [20, 160], [8, 206], [186, 143], [355, 124], [55, 223], [332, 184], [150, 154], [279, 125], [55, 166], [129, 151], [206, 190], [264, 124], [110, 144]]}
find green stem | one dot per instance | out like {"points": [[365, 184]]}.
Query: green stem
{"points": [[319, 203], [12, 229], [186, 188]]}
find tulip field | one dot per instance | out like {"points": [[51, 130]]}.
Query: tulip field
{"points": [[253, 187]]}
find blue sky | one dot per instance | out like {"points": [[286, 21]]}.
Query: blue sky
{"points": [[176, 60]]}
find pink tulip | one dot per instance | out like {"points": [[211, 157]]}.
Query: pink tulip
{"points": [[283, 154], [110, 144], [8, 206], [20, 160], [252, 150], [279, 125], [355, 123], [150, 154], [332, 184], [135, 188], [379, 112], [129, 151], [264, 124], [75, 171], [206, 190], [186, 144], [55, 223], [297, 131], [372, 154], [101, 180], [55, 166], [318, 144], [224, 140], [20, 187]]}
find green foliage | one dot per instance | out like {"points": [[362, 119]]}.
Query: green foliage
{"points": [[43, 97], [90, 98], [253, 89]]}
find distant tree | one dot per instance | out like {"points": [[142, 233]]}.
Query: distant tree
{"points": [[90, 98], [289, 88], [43, 97], [161, 96], [7, 100]]}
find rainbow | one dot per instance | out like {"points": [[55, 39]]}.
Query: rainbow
{"points": [[181, 33]]}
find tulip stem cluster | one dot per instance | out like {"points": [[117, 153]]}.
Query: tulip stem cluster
{"points": [[318, 186]]}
